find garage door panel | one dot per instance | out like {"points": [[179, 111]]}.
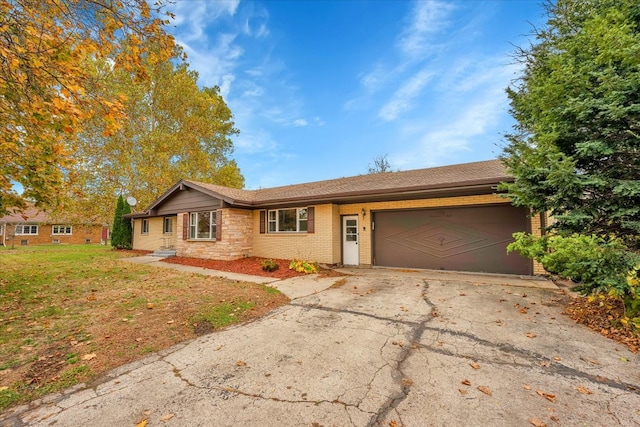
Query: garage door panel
{"points": [[465, 239]]}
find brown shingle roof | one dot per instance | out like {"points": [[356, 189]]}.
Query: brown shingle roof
{"points": [[387, 183], [30, 215]]}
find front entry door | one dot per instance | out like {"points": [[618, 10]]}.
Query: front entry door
{"points": [[350, 252]]}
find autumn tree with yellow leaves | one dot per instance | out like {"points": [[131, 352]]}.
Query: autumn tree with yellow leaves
{"points": [[174, 129], [80, 102]]}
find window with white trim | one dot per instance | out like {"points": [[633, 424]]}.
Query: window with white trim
{"points": [[144, 228], [287, 220], [202, 225], [26, 229], [61, 229], [167, 225]]}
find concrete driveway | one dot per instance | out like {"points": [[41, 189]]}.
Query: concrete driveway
{"points": [[387, 348]]}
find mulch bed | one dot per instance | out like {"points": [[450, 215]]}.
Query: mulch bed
{"points": [[600, 315], [250, 265]]}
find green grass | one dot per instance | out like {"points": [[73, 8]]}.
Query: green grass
{"points": [[223, 314], [59, 303], [37, 287]]}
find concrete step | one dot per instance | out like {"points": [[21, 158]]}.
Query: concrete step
{"points": [[164, 253]]}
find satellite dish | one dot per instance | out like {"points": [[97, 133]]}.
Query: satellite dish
{"points": [[132, 201]]}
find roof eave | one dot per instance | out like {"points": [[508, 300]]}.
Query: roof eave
{"points": [[459, 189]]}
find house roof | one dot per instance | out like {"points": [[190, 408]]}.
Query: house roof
{"points": [[30, 214], [461, 179]]}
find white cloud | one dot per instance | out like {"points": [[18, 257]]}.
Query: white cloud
{"points": [[225, 86], [300, 123], [402, 99], [192, 18], [464, 119], [428, 18], [373, 80], [252, 90]]}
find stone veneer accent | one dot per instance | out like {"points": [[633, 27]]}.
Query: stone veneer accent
{"points": [[236, 240]]}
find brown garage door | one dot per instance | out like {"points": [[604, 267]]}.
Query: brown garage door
{"points": [[463, 239]]}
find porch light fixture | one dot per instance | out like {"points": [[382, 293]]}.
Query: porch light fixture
{"points": [[364, 212]]}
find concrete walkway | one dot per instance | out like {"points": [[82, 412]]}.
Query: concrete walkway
{"points": [[296, 287]]}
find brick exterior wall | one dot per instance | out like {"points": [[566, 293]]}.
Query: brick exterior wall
{"points": [[236, 240], [364, 225], [79, 234], [155, 239], [241, 232], [536, 230], [322, 246]]}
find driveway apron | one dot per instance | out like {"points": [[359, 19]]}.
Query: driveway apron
{"points": [[384, 349]]}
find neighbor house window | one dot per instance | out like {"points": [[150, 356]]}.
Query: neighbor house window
{"points": [[1, 229], [26, 229], [202, 225], [287, 220], [144, 229], [167, 227], [61, 229]]}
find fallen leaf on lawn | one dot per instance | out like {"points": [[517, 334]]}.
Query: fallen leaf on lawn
{"points": [[530, 335], [549, 396], [89, 356], [474, 365], [147, 412], [584, 390], [526, 387], [466, 382], [241, 363], [462, 294], [545, 363], [485, 390], [538, 423], [463, 391], [167, 417], [554, 418], [170, 322], [557, 358], [142, 423], [3, 388], [393, 424], [150, 305], [524, 310], [403, 308]]}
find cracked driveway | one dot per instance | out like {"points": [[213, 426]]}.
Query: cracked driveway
{"points": [[386, 348]]}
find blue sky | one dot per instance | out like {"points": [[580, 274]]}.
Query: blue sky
{"points": [[319, 89]]}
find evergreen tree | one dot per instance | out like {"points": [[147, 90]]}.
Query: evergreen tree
{"points": [[575, 150], [121, 232], [127, 232]]}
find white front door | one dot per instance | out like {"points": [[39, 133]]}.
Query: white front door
{"points": [[350, 252]]}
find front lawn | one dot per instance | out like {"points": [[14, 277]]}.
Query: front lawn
{"points": [[70, 313]]}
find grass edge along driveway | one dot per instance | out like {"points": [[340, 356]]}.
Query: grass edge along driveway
{"points": [[69, 313]]}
